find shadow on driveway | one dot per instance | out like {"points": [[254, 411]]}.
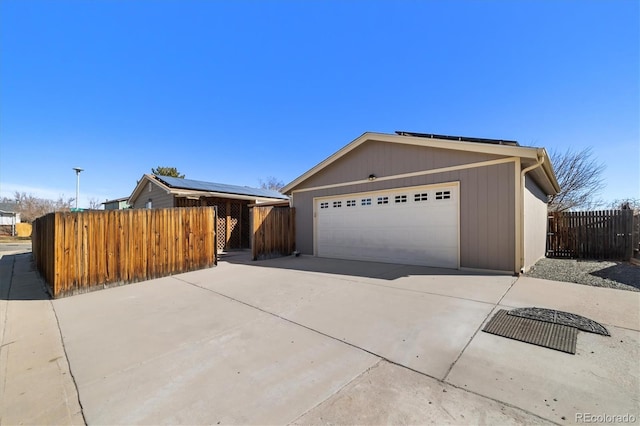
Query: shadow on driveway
{"points": [[19, 279], [307, 263], [621, 272]]}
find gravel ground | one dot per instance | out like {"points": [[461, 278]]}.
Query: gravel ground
{"points": [[620, 275]]}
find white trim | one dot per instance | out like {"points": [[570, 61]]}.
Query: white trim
{"points": [[520, 238], [414, 174], [516, 210], [139, 189], [506, 150], [458, 227]]}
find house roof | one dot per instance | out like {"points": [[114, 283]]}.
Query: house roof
{"points": [[198, 185], [528, 155], [195, 189], [8, 208], [117, 200]]}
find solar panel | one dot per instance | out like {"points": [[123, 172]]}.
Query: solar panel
{"points": [[458, 138], [198, 185]]}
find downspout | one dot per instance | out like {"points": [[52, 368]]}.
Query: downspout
{"points": [[521, 216]]}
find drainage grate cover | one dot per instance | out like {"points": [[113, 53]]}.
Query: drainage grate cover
{"points": [[549, 335], [560, 317]]}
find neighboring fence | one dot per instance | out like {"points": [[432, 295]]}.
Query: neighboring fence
{"points": [[272, 231], [76, 252], [605, 234]]}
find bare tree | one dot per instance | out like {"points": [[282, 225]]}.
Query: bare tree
{"points": [[626, 204], [580, 177], [95, 204], [272, 183], [31, 207], [167, 171]]}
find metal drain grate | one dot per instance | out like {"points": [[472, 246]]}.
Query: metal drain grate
{"points": [[560, 317], [549, 335]]}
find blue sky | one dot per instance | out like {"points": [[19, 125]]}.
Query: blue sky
{"points": [[234, 92]]}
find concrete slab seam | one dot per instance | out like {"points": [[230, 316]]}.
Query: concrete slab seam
{"points": [[2, 334], [310, 329], [477, 330], [66, 357], [496, 400], [382, 358], [601, 322], [281, 317], [465, 348], [425, 292], [164, 354], [412, 290], [371, 367]]}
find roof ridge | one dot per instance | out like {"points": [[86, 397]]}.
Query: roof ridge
{"points": [[458, 138]]}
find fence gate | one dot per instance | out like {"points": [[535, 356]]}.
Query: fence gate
{"points": [[604, 234], [272, 231]]}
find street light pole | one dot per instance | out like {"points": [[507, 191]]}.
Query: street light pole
{"points": [[78, 170]]}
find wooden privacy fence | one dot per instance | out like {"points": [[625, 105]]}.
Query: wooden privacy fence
{"points": [[605, 234], [272, 231], [76, 252]]}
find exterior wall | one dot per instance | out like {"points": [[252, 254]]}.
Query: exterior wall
{"points": [[159, 198], [117, 205], [9, 219], [487, 196], [387, 159], [535, 223]]}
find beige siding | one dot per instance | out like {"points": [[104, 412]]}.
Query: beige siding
{"points": [[487, 199], [387, 159], [535, 223], [159, 198]]}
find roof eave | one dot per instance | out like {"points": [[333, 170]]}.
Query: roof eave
{"points": [[140, 186], [543, 175], [341, 152], [551, 174], [506, 150], [197, 194]]}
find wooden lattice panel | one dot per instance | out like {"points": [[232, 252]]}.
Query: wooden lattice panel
{"points": [[222, 227]]}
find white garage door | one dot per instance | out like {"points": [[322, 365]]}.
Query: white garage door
{"points": [[413, 226]]}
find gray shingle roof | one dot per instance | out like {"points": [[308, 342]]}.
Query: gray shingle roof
{"points": [[8, 207]]}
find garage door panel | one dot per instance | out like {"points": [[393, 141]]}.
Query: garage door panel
{"points": [[422, 232]]}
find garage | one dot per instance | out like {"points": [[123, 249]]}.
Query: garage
{"points": [[413, 225], [484, 205]]}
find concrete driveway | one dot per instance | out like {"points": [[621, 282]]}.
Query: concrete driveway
{"points": [[308, 340]]}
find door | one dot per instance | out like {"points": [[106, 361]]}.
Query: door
{"points": [[413, 226]]}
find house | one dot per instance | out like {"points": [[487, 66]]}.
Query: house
{"points": [[425, 199], [9, 214], [117, 204], [231, 201], [9, 217]]}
